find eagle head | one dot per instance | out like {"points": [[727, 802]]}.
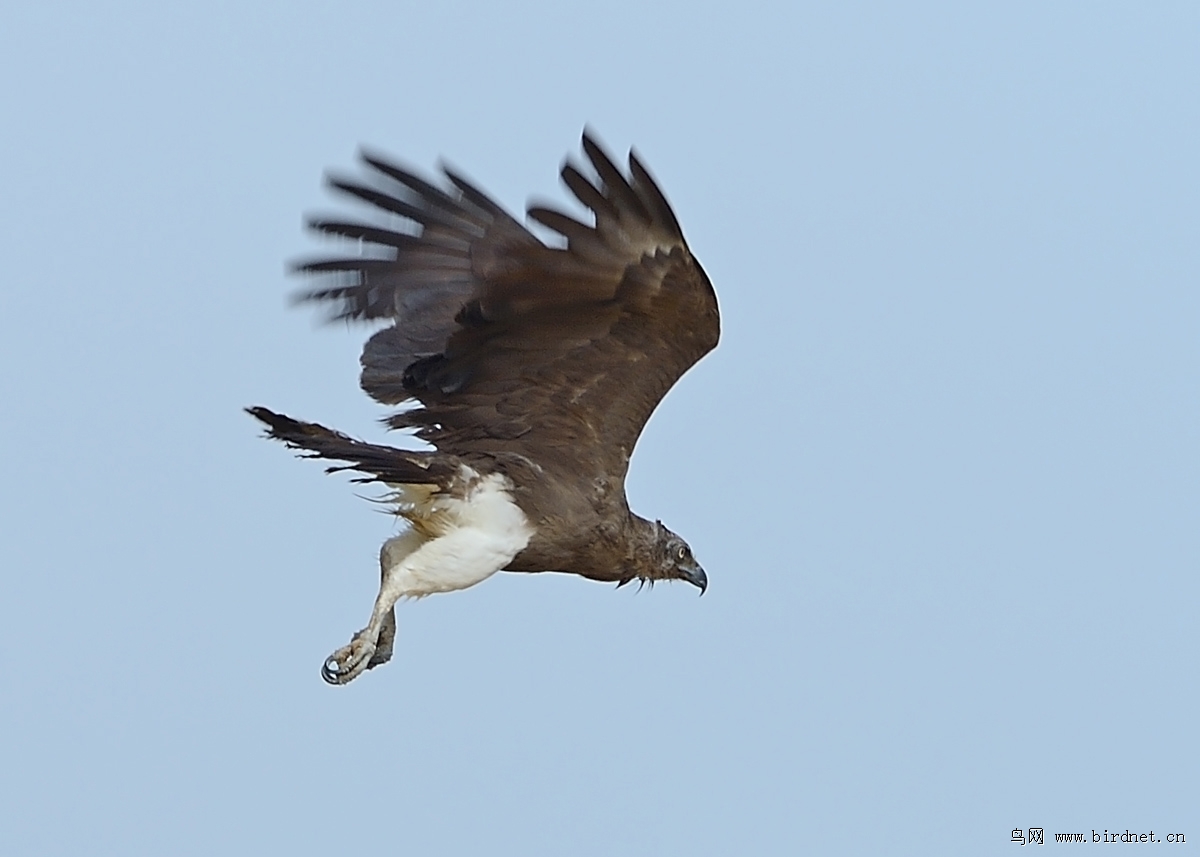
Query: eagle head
{"points": [[675, 560]]}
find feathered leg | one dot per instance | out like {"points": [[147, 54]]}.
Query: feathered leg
{"points": [[373, 645], [477, 534]]}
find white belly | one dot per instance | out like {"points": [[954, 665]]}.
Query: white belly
{"points": [[476, 537]]}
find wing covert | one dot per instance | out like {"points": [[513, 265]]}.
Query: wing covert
{"points": [[559, 354]]}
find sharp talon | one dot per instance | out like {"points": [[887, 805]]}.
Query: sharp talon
{"points": [[330, 671], [348, 662]]}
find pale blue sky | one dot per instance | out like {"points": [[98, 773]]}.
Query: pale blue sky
{"points": [[942, 470]]}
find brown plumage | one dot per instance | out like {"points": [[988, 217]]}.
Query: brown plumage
{"points": [[530, 369]]}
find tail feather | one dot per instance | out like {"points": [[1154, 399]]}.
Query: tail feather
{"points": [[378, 463]]}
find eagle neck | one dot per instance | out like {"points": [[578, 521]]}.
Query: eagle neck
{"points": [[641, 543]]}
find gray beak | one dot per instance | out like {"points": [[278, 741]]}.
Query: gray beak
{"points": [[695, 575]]}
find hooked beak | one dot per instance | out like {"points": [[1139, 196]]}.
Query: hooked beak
{"points": [[695, 575]]}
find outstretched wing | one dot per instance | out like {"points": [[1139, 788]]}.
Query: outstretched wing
{"points": [[508, 345]]}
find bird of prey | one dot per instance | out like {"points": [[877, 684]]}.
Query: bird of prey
{"points": [[529, 367]]}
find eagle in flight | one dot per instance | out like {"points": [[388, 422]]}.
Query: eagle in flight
{"points": [[529, 368]]}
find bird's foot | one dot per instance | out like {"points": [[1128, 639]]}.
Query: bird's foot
{"points": [[350, 661]]}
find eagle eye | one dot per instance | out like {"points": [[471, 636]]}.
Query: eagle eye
{"points": [[682, 552]]}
